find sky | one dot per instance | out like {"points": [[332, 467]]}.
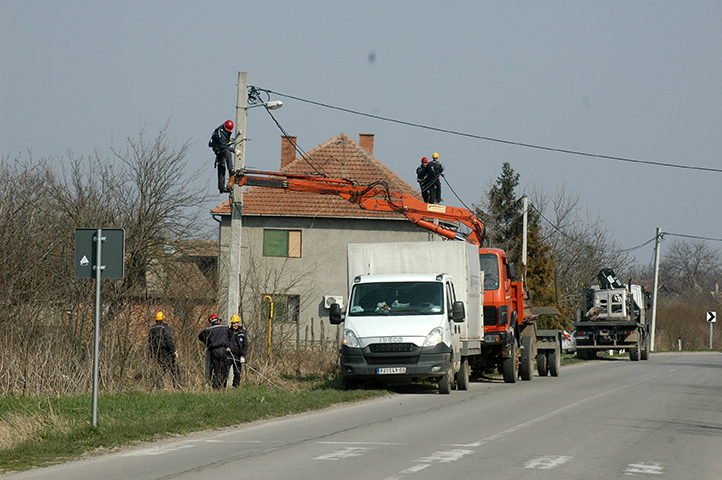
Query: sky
{"points": [[637, 81]]}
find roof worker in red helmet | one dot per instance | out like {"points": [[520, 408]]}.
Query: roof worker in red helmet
{"points": [[423, 176], [223, 147]]}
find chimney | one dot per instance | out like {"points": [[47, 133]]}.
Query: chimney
{"points": [[288, 151], [366, 141]]}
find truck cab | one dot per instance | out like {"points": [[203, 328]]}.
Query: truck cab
{"points": [[400, 328]]}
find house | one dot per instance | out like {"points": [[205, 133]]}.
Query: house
{"points": [[294, 243]]}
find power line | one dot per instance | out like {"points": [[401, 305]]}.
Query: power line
{"points": [[692, 236], [498, 140]]}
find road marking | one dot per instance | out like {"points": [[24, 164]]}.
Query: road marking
{"points": [[416, 468], [547, 462], [645, 468], [385, 444], [445, 456], [154, 451], [347, 452]]}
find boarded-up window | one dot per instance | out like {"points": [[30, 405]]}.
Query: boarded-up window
{"points": [[282, 243]]}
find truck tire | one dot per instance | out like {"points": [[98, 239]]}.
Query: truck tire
{"points": [[509, 366], [462, 376], [348, 383], [445, 382], [554, 358], [634, 352], [541, 364], [526, 364], [582, 354], [645, 350]]}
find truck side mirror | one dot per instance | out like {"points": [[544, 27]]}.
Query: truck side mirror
{"points": [[335, 316], [512, 271], [458, 313]]}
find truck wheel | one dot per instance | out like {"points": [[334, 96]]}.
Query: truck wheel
{"points": [[526, 365], [634, 352], [541, 364], [645, 350], [462, 376], [509, 366], [348, 383], [582, 354], [555, 361], [445, 383]]}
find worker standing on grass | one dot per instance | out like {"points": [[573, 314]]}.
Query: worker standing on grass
{"points": [[215, 337], [422, 176], [238, 349], [162, 348], [223, 147], [435, 171]]}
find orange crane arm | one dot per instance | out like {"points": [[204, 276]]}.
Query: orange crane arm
{"points": [[373, 197]]}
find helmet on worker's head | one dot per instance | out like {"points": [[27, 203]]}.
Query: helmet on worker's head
{"points": [[235, 319], [214, 318], [435, 155], [159, 317], [424, 160], [228, 125]]}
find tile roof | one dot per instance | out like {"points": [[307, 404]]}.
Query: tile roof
{"points": [[339, 157]]}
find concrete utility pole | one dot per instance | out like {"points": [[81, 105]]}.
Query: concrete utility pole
{"points": [[657, 239], [234, 244], [524, 244]]}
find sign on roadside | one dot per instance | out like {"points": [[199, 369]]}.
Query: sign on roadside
{"points": [[711, 317]]}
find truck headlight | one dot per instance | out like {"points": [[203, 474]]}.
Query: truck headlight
{"points": [[434, 337], [349, 339]]}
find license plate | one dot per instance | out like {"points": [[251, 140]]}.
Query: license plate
{"points": [[390, 370]]}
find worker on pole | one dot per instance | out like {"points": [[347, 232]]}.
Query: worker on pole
{"points": [[223, 147]]}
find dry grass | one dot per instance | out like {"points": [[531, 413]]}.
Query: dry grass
{"points": [[17, 428]]}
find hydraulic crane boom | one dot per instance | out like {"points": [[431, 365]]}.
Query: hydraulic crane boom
{"points": [[373, 197]]}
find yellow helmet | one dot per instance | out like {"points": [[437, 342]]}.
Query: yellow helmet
{"points": [[435, 155], [159, 317], [235, 319]]}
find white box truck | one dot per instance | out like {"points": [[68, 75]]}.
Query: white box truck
{"points": [[412, 309]]}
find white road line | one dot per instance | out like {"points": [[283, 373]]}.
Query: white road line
{"points": [[347, 452], [645, 468], [547, 462], [154, 451]]}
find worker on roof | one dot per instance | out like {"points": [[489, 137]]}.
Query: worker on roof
{"points": [[422, 176], [435, 171], [223, 147]]}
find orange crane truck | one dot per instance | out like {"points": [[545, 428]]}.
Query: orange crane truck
{"points": [[511, 341]]}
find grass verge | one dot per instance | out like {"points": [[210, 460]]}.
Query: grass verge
{"points": [[44, 431]]}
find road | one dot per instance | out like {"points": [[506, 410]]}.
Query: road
{"points": [[597, 420]]}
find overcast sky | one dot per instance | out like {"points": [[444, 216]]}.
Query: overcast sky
{"points": [[637, 80]]}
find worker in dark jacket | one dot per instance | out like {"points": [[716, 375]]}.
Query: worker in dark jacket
{"points": [[435, 171], [215, 337], [162, 348], [223, 147], [422, 176], [238, 340]]}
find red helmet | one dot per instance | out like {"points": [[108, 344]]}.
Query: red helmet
{"points": [[228, 125], [424, 160], [214, 317]]}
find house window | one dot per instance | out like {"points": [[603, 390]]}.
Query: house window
{"points": [[286, 308], [282, 243]]}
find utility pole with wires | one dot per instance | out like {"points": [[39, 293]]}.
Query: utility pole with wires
{"points": [[236, 203]]}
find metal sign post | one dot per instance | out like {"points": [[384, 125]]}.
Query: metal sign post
{"points": [[89, 264], [711, 318]]}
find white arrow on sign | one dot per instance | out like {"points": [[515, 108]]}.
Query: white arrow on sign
{"points": [[711, 317]]}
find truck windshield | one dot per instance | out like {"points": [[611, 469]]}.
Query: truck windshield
{"points": [[396, 298], [490, 266]]}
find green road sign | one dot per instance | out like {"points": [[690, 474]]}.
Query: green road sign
{"points": [[112, 252]]}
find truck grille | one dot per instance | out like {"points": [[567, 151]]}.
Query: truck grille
{"points": [[392, 360], [490, 315], [391, 347]]}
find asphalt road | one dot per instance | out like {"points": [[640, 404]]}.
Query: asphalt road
{"points": [[597, 420]]}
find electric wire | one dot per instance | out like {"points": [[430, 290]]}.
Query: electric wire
{"points": [[501, 141]]}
